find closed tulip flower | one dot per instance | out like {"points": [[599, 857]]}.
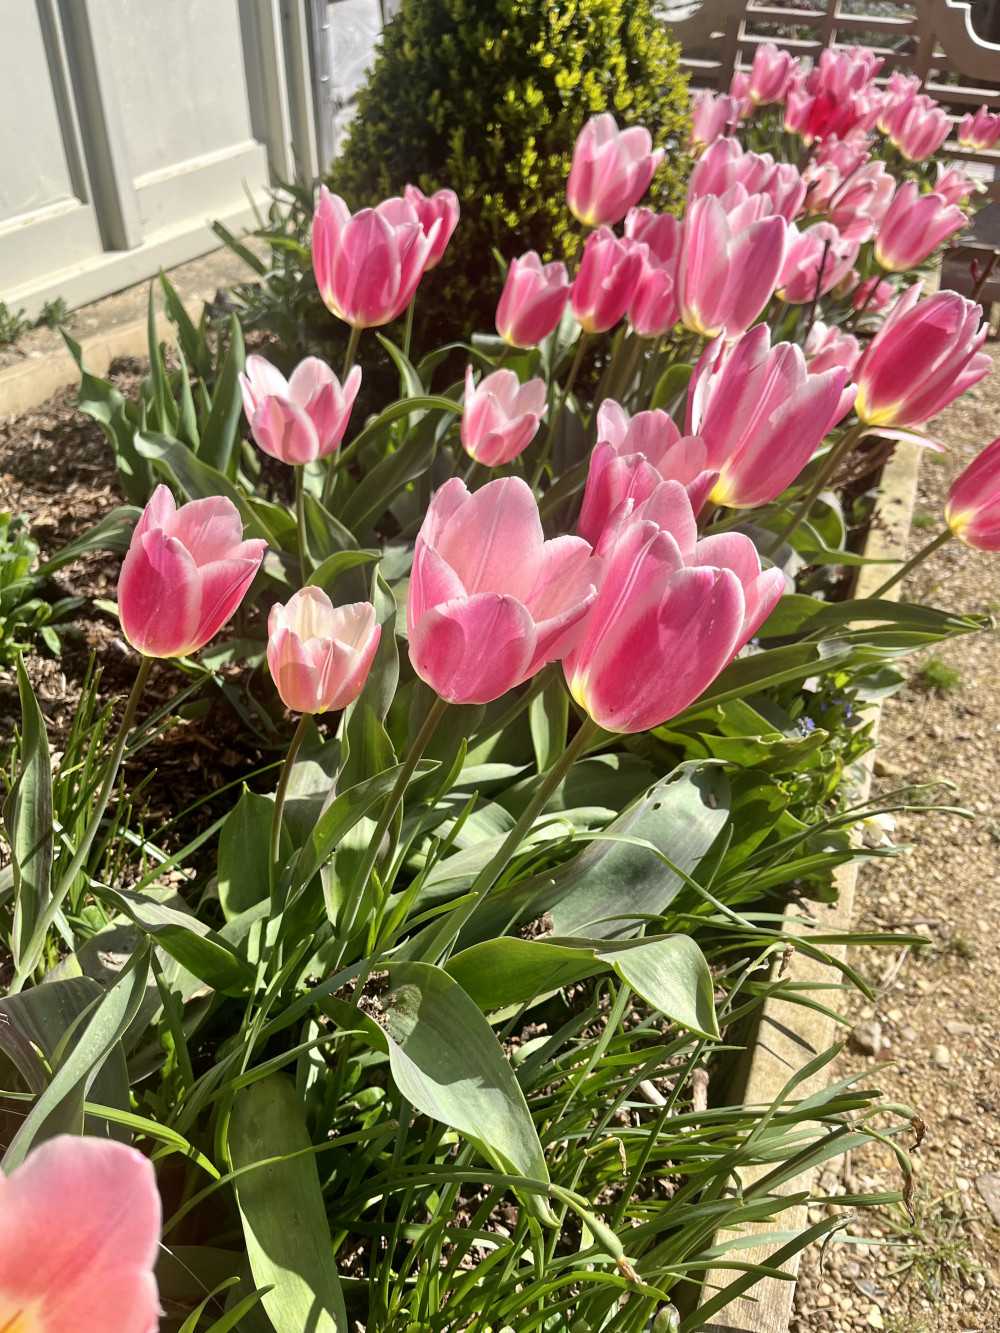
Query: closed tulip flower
{"points": [[490, 602], [300, 419], [186, 572], [770, 74], [726, 276], [606, 280], [979, 131], [913, 227], [610, 172], [953, 185], [873, 294], [925, 355], [632, 456], [368, 266], [79, 1239], [534, 298], [762, 413], [319, 655], [922, 130], [973, 506], [826, 346], [441, 208], [670, 614], [713, 116], [500, 417], [816, 259], [653, 311]]}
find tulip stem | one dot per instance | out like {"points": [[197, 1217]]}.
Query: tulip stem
{"points": [[36, 944], [300, 522], [574, 370], [351, 354], [827, 468], [408, 328], [345, 927], [912, 563], [447, 932], [274, 850]]}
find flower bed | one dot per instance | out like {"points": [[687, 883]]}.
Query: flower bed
{"points": [[417, 1034]]}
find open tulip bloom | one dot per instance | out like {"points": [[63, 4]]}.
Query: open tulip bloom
{"points": [[490, 602], [300, 419], [319, 655], [671, 612], [534, 298], [439, 208], [972, 510], [186, 572], [610, 172], [915, 224], [79, 1238], [500, 417], [727, 271]]}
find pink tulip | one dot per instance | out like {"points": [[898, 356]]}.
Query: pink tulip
{"points": [[632, 456], [914, 226], [786, 189], [441, 207], [301, 419], [739, 91], [713, 116], [826, 347], [972, 510], [501, 416], [319, 655], [368, 266], [762, 413], [922, 358], [670, 614], [823, 181], [899, 92], [919, 127], [653, 311], [726, 277], [815, 261], [859, 205], [875, 294], [725, 164], [611, 171], [606, 280], [534, 298], [953, 185], [769, 74], [844, 72], [185, 573], [79, 1238], [847, 154], [979, 131], [490, 601]]}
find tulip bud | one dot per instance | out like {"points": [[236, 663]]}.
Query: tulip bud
{"points": [[769, 74], [606, 280], [534, 298], [914, 226], [319, 655], [490, 601], [980, 131], [972, 510], [441, 207], [671, 612], [501, 416], [653, 311], [185, 573], [610, 172], [874, 294], [726, 276], [713, 116]]}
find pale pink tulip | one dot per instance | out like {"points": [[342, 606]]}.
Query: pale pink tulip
{"points": [[770, 74], [739, 91], [925, 355], [534, 298], [972, 510], [440, 207], [826, 346], [653, 311], [713, 116], [816, 259], [953, 185], [979, 131], [606, 280], [914, 226], [501, 416], [762, 413], [185, 573], [725, 164], [632, 456], [490, 601], [300, 419], [610, 172], [726, 277], [368, 266], [319, 655], [670, 614], [79, 1239]]}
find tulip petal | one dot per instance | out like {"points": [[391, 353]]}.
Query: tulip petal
{"points": [[493, 541], [432, 583], [211, 529], [223, 585], [308, 378], [475, 649], [159, 596]]}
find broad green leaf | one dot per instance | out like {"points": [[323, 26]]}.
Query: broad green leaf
{"points": [[327, 536], [27, 819], [402, 408], [113, 533], [80, 1066], [671, 386], [388, 477], [410, 383], [101, 400], [193, 342], [218, 438], [187, 417], [238, 248], [165, 414], [244, 852], [193, 944], [198, 480], [326, 574], [549, 717], [671, 974], [282, 1210]]}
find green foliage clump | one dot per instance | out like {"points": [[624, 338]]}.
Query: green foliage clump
{"points": [[487, 97], [24, 610]]}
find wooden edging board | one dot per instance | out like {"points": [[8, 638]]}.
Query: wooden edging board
{"points": [[790, 1035]]}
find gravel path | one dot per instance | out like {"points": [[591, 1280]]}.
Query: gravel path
{"points": [[937, 1016]]}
